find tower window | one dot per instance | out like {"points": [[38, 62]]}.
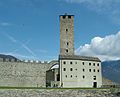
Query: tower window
{"points": [[69, 17], [93, 64], [66, 29], [94, 70], [64, 69], [83, 63], [70, 62], [98, 70], [67, 43], [71, 76], [64, 17], [67, 50]]}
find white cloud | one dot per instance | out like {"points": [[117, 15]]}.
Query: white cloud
{"points": [[107, 48], [5, 24]]}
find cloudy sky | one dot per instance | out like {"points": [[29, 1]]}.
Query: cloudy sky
{"points": [[29, 29]]}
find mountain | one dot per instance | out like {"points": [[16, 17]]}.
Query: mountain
{"points": [[8, 57], [111, 70]]}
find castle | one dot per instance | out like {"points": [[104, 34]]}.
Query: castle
{"points": [[73, 70]]}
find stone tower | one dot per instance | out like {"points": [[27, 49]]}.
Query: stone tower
{"points": [[66, 34]]}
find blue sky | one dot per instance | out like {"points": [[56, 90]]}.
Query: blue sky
{"points": [[29, 29]]}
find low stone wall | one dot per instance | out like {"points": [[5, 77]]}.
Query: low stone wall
{"points": [[58, 93]]}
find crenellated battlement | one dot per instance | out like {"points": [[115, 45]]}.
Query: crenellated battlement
{"points": [[35, 61], [25, 61], [9, 60]]}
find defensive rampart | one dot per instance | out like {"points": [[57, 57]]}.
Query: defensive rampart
{"points": [[16, 73]]}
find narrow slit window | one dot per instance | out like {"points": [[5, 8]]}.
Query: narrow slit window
{"points": [[66, 30]]}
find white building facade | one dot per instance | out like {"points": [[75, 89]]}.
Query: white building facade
{"points": [[80, 71]]}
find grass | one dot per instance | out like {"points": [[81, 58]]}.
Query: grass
{"points": [[6, 87]]}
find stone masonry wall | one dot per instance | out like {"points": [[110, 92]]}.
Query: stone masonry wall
{"points": [[23, 74]]}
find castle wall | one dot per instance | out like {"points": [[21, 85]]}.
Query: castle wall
{"points": [[24, 74]]}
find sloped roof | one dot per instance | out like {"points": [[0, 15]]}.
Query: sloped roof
{"points": [[76, 57]]}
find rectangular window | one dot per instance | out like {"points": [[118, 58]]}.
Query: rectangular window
{"points": [[93, 64], [83, 63], [94, 77], [70, 62], [64, 62], [89, 70], [83, 76], [71, 69], [64, 69], [94, 70], [83, 70], [98, 64], [89, 64]]}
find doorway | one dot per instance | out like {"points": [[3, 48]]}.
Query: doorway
{"points": [[94, 84]]}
